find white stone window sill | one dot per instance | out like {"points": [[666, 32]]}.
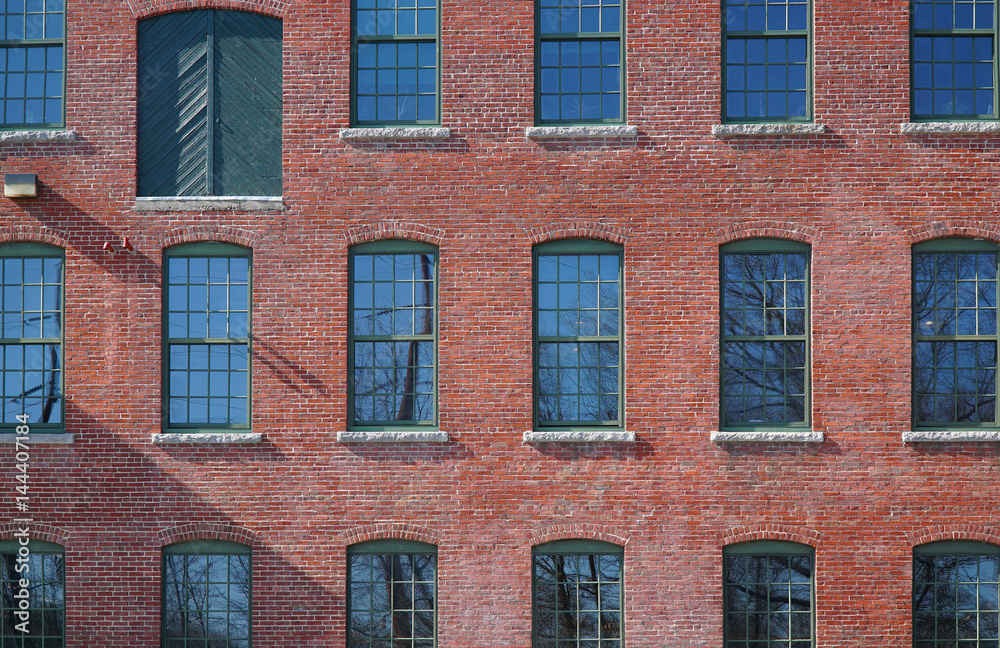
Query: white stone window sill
{"points": [[395, 133], [221, 438], [38, 438], [951, 436], [756, 130], [601, 131], [392, 436], [208, 203], [55, 135], [758, 436], [578, 436], [957, 128]]}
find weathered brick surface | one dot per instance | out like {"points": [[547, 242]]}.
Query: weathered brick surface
{"points": [[861, 193]]}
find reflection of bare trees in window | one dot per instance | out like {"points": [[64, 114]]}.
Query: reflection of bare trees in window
{"points": [[207, 598], [769, 599], [47, 620], [392, 601], [578, 600], [955, 597]]}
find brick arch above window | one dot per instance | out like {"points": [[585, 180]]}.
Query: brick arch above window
{"points": [[766, 229], [578, 230], [953, 228], [206, 531], [940, 532], [391, 531], [146, 8], [32, 234], [208, 233], [45, 532], [785, 532], [382, 230], [578, 531]]}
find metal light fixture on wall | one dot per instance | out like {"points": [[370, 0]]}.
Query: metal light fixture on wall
{"points": [[20, 185]]}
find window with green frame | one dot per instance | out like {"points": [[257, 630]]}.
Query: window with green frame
{"points": [[207, 323], [955, 333], [33, 63], [953, 50], [578, 333], [767, 71], [579, 67], [765, 334], [209, 104], [393, 334], [955, 591], [768, 595], [32, 309], [206, 595], [392, 594], [46, 575], [396, 63], [577, 594]]}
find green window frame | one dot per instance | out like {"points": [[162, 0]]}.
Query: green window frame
{"points": [[46, 575], [33, 64], [209, 105], [769, 595], [207, 316], [953, 55], [392, 372], [577, 594], [579, 61], [955, 591], [206, 595], [396, 62], [955, 336], [579, 317], [765, 335], [31, 349], [767, 61], [392, 594]]}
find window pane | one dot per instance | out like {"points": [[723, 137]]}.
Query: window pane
{"points": [[392, 597], [206, 596], [768, 599], [47, 615], [39, 94], [954, 597], [586, 591]]}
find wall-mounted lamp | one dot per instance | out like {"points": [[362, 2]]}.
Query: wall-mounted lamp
{"points": [[20, 185]]}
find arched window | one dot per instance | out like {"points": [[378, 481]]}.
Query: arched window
{"points": [[955, 590], [393, 335], [207, 330], [42, 568], [207, 594], [577, 594], [578, 334], [765, 334], [955, 334], [392, 594], [768, 594], [32, 310]]}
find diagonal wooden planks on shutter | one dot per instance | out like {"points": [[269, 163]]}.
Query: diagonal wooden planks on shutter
{"points": [[247, 104], [172, 98]]}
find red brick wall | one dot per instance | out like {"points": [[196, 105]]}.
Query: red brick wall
{"points": [[860, 194]]}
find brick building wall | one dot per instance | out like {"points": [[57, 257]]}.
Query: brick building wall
{"points": [[860, 194]]}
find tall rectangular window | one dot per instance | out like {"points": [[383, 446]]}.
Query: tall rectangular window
{"points": [[396, 63], [765, 334], [955, 333], [207, 313], [579, 61], [577, 595], [206, 595], [31, 348], [46, 575], [393, 334], [32, 63], [767, 55], [209, 104], [953, 71], [392, 595], [578, 319], [768, 594]]}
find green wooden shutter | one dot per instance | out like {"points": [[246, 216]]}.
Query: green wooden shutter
{"points": [[172, 98], [201, 68], [247, 151]]}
